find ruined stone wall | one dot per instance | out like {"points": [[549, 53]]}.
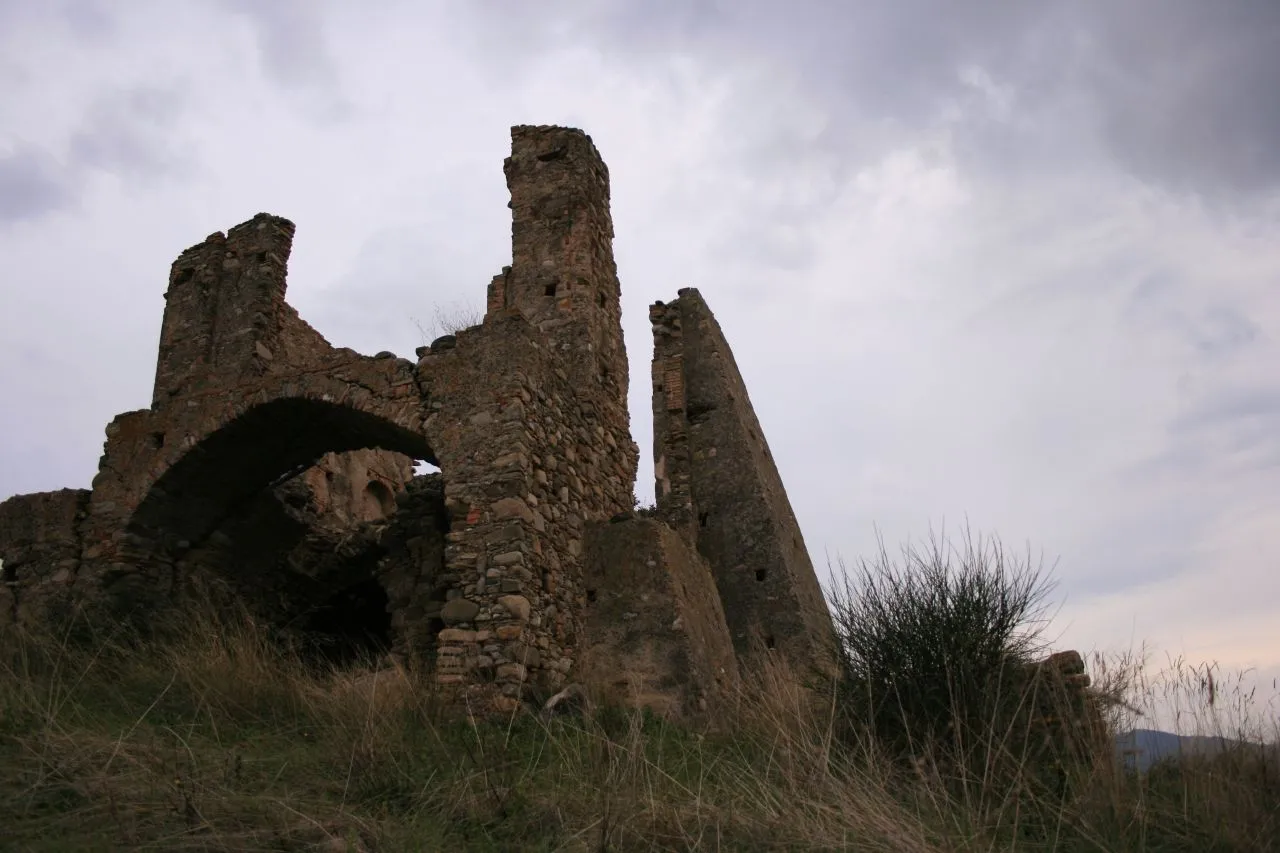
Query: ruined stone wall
{"points": [[718, 484], [282, 466], [1066, 715], [658, 634], [247, 395], [172, 475], [412, 570], [358, 486], [558, 451], [563, 277], [548, 463], [40, 538], [225, 311]]}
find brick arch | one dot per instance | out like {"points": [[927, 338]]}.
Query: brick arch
{"points": [[171, 475], [256, 448]]}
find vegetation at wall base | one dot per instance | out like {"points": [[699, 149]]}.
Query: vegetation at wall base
{"points": [[218, 738]]}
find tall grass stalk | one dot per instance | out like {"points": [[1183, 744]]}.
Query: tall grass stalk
{"points": [[214, 736]]}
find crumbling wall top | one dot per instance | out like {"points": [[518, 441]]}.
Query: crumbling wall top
{"points": [[225, 317], [562, 275]]}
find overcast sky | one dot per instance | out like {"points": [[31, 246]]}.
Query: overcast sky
{"points": [[1018, 267]]}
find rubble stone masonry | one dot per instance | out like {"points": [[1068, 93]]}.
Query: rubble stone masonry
{"points": [[718, 485], [278, 469]]}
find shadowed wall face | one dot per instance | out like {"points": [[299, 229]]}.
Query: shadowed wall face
{"points": [[40, 535], [223, 309], [657, 628], [718, 484]]}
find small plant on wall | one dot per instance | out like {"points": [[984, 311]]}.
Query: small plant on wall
{"points": [[449, 320]]}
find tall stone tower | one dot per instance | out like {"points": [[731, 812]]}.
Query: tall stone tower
{"points": [[563, 277]]}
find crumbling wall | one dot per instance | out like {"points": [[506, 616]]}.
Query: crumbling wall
{"points": [[1067, 720], [412, 568], [172, 476], [303, 527], [553, 449], [658, 634], [525, 415], [563, 277], [717, 483], [40, 542], [225, 311], [281, 465], [549, 461], [354, 487]]}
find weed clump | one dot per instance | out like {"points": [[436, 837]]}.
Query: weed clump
{"points": [[938, 647]]}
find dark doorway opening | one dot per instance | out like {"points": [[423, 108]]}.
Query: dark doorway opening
{"points": [[353, 625]]}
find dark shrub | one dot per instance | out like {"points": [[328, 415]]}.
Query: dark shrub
{"points": [[936, 648]]}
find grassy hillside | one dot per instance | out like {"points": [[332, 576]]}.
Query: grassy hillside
{"points": [[215, 738]]}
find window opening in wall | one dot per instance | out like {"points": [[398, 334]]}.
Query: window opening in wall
{"points": [[769, 642], [186, 275], [550, 289], [262, 257], [761, 574], [379, 499], [157, 440], [604, 300], [702, 519], [591, 595]]}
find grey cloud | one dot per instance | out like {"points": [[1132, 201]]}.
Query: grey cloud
{"points": [[131, 133], [128, 133], [1187, 91], [409, 278], [294, 51], [1224, 330], [1215, 332], [898, 54], [87, 19], [1232, 405], [1177, 92], [1225, 436], [32, 185]]}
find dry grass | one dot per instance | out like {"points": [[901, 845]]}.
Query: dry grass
{"points": [[217, 739], [449, 320]]}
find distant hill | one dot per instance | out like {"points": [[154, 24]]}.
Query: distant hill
{"points": [[1141, 748]]}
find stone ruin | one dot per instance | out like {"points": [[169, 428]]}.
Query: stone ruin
{"points": [[279, 471]]}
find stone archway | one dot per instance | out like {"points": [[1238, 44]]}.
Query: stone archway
{"points": [[266, 445], [293, 507]]}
